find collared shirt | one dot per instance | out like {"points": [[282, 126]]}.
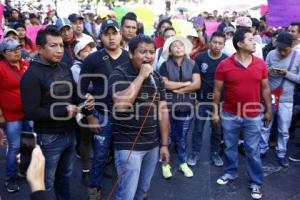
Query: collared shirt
{"points": [[126, 125], [242, 86], [10, 97]]}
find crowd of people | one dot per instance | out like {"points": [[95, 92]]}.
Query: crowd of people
{"points": [[91, 86]]}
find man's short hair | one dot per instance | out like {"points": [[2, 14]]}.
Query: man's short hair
{"points": [[218, 34], [41, 38], [134, 42], [129, 16], [296, 24], [239, 36]]}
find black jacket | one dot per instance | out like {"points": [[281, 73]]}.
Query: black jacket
{"points": [[42, 87]]}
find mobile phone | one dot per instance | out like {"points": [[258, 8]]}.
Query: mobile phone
{"points": [[28, 143], [277, 69]]}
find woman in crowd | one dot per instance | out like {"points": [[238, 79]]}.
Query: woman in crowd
{"points": [[12, 68], [182, 79], [162, 25]]}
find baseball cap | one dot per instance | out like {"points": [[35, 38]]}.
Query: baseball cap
{"points": [[62, 22], [244, 22], [9, 30], [284, 40], [8, 44], [109, 23], [81, 44], [73, 17]]}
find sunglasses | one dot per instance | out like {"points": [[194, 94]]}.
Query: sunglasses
{"points": [[13, 50]]}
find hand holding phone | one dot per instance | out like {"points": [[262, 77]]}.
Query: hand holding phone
{"points": [[28, 143]]}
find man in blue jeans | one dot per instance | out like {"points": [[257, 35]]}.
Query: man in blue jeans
{"points": [[139, 99], [96, 69], [244, 78], [207, 62], [49, 98], [284, 66]]}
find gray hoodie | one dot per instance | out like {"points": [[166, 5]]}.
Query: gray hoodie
{"points": [[292, 77]]}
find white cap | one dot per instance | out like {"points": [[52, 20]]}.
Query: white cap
{"points": [[82, 44], [166, 49]]}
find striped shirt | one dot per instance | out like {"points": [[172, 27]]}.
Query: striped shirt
{"points": [[126, 125]]}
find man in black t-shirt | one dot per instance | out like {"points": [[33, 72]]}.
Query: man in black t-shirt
{"points": [[207, 62], [96, 69], [135, 91]]}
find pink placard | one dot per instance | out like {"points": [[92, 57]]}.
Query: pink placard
{"points": [[31, 31], [211, 27], [263, 9]]}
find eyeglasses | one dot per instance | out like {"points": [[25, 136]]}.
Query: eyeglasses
{"points": [[13, 50]]}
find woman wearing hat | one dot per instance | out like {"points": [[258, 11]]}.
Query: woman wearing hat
{"points": [[182, 79], [12, 68]]}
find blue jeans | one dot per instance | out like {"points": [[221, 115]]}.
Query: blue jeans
{"points": [[58, 150], [179, 131], [13, 131], [251, 127], [101, 142], [216, 134], [284, 118], [136, 179]]}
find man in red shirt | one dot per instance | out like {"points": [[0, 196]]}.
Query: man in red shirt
{"points": [[244, 78]]}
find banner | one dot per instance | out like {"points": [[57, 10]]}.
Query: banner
{"points": [[31, 31], [211, 27], [283, 13]]}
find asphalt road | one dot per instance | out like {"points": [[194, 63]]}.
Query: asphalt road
{"points": [[279, 183]]}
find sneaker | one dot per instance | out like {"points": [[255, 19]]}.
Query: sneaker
{"points": [[256, 192], [284, 162], [223, 180], [184, 168], [166, 171], [94, 194], [85, 178], [193, 159], [11, 185], [294, 158], [216, 159]]}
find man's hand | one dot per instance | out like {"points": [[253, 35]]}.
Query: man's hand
{"points": [[267, 117], [164, 155], [89, 103], [145, 70], [276, 71], [216, 121], [36, 170], [72, 110], [93, 124]]}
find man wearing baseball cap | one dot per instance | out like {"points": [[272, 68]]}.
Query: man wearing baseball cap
{"points": [[102, 63], [283, 64], [69, 40], [78, 27]]}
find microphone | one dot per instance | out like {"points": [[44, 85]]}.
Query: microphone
{"points": [[152, 80]]}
